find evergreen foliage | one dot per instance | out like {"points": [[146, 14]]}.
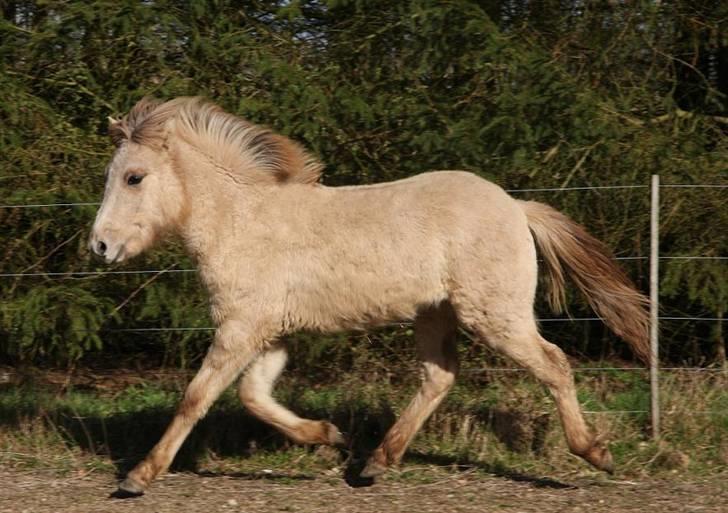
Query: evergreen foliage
{"points": [[527, 94]]}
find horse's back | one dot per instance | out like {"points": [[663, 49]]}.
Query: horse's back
{"points": [[460, 210], [385, 251]]}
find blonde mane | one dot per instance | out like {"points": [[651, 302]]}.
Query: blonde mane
{"points": [[254, 153]]}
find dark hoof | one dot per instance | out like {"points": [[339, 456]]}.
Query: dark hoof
{"points": [[128, 489], [373, 469]]}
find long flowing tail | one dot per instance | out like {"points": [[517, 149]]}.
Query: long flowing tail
{"points": [[565, 244]]}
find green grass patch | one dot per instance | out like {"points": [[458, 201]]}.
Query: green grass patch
{"points": [[505, 426]]}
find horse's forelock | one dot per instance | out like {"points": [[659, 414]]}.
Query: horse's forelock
{"points": [[140, 125]]}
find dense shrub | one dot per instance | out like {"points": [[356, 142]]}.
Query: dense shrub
{"points": [[527, 94]]}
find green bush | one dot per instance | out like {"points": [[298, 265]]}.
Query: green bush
{"points": [[558, 96]]}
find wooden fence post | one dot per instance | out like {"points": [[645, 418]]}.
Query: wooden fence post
{"points": [[654, 305]]}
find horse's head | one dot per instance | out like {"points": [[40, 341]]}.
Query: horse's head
{"points": [[144, 197], [145, 193]]}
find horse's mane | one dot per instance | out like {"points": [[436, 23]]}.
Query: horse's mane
{"points": [[252, 152]]}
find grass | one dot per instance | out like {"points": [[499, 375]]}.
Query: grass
{"points": [[502, 423]]}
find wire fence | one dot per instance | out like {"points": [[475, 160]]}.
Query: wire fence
{"points": [[515, 191], [71, 274], [655, 393]]}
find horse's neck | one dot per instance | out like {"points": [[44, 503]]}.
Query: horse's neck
{"points": [[218, 201], [230, 217]]}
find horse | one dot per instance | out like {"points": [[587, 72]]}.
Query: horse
{"points": [[279, 252]]}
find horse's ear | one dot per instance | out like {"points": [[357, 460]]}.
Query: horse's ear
{"points": [[117, 131]]}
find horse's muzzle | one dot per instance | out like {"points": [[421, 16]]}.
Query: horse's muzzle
{"points": [[109, 251]]}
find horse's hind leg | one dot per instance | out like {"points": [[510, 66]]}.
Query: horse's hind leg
{"points": [[435, 331], [255, 391], [520, 340]]}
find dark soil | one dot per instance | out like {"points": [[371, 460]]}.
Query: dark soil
{"points": [[457, 491]]}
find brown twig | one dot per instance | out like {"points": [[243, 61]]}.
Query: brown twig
{"points": [[140, 288], [51, 252]]}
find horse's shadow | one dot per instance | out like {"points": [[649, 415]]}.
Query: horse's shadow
{"points": [[226, 431], [231, 432], [498, 470]]}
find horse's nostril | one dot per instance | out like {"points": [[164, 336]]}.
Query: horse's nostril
{"points": [[101, 248]]}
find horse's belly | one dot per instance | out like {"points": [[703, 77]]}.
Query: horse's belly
{"points": [[362, 300]]}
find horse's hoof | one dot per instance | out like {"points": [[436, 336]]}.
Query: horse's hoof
{"points": [[128, 488], [336, 437], [373, 469], [607, 464], [601, 458]]}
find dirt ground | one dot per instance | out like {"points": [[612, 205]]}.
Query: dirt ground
{"points": [[26, 491]]}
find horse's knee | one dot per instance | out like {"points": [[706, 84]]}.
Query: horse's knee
{"points": [[250, 404], [195, 402], [246, 393], [253, 398], [229, 336]]}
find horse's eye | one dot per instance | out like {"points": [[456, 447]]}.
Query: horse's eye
{"points": [[134, 179]]}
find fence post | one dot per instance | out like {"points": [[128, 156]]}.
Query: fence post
{"points": [[654, 305]]}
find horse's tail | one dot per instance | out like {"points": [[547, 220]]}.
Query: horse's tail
{"points": [[565, 244]]}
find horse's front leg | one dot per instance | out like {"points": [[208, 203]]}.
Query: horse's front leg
{"points": [[235, 345]]}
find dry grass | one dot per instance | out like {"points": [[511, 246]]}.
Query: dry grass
{"points": [[502, 423]]}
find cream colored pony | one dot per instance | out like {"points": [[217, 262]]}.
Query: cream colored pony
{"points": [[279, 253]]}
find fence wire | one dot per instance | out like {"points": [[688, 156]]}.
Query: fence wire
{"points": [[71, 274], [542, 189]]}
